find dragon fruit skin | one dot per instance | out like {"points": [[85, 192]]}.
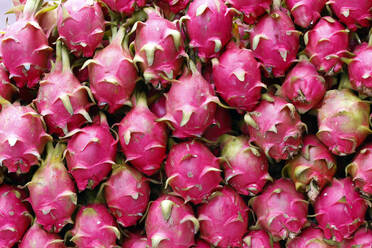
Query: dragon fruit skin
{"points": [[361, 239], [305, 12], [360, 69], [310, 237], [258, 239], [280, 209], [94, 227], [313, 168], [127, 194], [7, 90], [275, 42], [221, 124], [159, 106], [192, 171], [135, 241], [201, 244], [170, 223], [215, 19], [126, 7], [37, 237], [90, 154], [252, 9], [340, 210], [81, 26], [325, 44], [343, 121], [303, 87], [246, 168], [275, 126], [52, 191], [224, 208], [237, 78], [175, 6]]}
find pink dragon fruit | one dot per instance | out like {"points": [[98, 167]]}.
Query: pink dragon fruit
{"points": [[245, 167], [310, 237], [135, 241], [142, 138], [360, 169], [47, 19], [225, 208], [343, 121], [340, 210], [159, 106], [325, 44], [201, 244], [14, 218], [237, 78], [215, 21], [305, 12], [280, 209], [7, 90], [159, 49], [275, 127], [127, 194], [112, 80], [24, 47], [312, 169], [303, 87], [361, 239], [81, 26], [258, 239], [94, 227], [175, 6], [90, 154], [354, 14], [251, 9], [37, 237], [275, 42], [221, 124], [170, 223], [52, 191], [126, 7], [193, 171], [62, 100]]}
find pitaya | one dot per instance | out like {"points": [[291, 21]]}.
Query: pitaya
{"points": [[245, 167], [62, 100], [7, 90], [340, 210], [47, 19], [170, 223], [280, 209], [209, 26], [175, 6], [94, 227], [159, 106], [159, 49], [275, 42], [14, 216], [251, 9], [126, 7], [24, 47], [142, 138], [237, 78], [90, 154], [303, 87], [81, 26], [276, 127], [325, 44], [361, 239], [36, 237], [135, 241], [258, 239], [52, 191], [201, 244], [223, 219], [305, 12], [193, 171], [221, 124], [343, 121], [310, 237]]}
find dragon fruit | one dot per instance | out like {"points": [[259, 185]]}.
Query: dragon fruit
{"points": [[275, 42], [135, 241], [175, 6], [24, 47], [126, 7], [360, 169], [7, 90], [81, 26], [313, 168], [201, 244], [245, 167], [47, 19], [159, 49], [258, 239], [127, 194], [215, 21], [112, 80], [192, 170], [37, 237], [159, 106], [303, 87], [14, 217], [340, 210], [224, 208], [310, 237], [275, 127], [251, 9], [90, 154], [343, 121], [361, 239], [237, 78], [325, 44], [142, 138], [280, 209], [221, 124], [305, 12], [170, 223], [52, 191], [62, 100], [94, 227]]}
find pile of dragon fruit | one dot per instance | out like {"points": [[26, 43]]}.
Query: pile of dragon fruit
{"points": [[178, 123]]}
